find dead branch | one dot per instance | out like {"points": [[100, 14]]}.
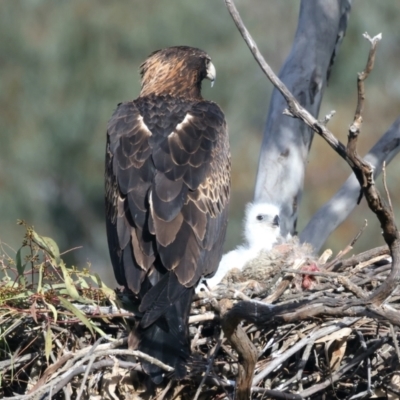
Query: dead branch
{"points": [[360, 258], [339, 207], [246, 351]]}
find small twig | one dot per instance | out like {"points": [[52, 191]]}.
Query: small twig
{"points": [[395, 342], [106, 311], [364, 346], [328, 117], [80, 370], [208, 316], [85, 377], [327, 275], [284, 284], [57, 384], [196, 338], [210, 363], [302, 363], [14, 362], [385, 186], [355, 127], [348, 248]]}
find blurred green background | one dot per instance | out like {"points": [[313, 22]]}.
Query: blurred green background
{"points": [[64, 65]]}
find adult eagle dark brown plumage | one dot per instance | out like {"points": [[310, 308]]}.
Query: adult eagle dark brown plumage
{"points": [[167, 194]]}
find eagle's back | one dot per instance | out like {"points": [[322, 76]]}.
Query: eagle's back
{"points": [[167, 195]]}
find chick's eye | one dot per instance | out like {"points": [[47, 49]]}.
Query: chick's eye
{"points": [[260, 217]]}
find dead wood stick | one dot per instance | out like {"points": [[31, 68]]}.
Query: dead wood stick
{"points": [[207, 316], [328, 275], [298, 376], [164, 392], [210, 363], [364, 174], [312, 337], [14, 362], [362, 257], [246, 351], [95, 366], [356, 289], [336, 375], [395, 342], [85, 377], [364, 346], [302, 364], [284, 283], [385, 186]]}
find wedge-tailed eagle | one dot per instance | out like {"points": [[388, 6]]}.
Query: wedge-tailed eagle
{"points": [[167, 195]]}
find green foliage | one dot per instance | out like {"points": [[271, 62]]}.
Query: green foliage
{"points": [[39, 283], [39, 295]]}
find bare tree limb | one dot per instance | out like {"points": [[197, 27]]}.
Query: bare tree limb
{"points": [[339, 207]]}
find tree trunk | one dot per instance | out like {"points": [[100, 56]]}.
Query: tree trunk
{"points": [[286, 142]]}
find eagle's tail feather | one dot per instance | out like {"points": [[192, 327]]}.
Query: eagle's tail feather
{"points": [[167, 340]]}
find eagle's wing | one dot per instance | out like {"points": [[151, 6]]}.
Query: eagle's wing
{"points": [[167, 192]]}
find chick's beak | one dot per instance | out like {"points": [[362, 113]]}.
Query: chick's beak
{"points": [[275, 221], [211, 73]]}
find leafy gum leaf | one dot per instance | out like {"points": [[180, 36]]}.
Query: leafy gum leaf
{"points": [[18, 262], [70, 286], [48, 245], [53, 309], [32, 309], [78, 313]]}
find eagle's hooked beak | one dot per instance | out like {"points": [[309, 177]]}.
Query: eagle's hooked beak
{"points": [[211, 73]]}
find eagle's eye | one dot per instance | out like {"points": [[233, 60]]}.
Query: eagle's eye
{"points": [[260, 217]]}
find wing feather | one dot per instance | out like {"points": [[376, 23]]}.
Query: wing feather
{"points": [[168, 159]]}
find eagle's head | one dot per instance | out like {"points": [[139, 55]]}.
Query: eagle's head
{"points": [[261, 225], [176, 71]]}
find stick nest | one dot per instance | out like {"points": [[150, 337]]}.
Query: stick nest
{"points": [[64, 335]]}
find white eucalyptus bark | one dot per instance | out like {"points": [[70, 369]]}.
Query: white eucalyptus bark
{"points": [[286, 142]]}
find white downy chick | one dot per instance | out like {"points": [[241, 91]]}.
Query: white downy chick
{"points": [[261, 232]]}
